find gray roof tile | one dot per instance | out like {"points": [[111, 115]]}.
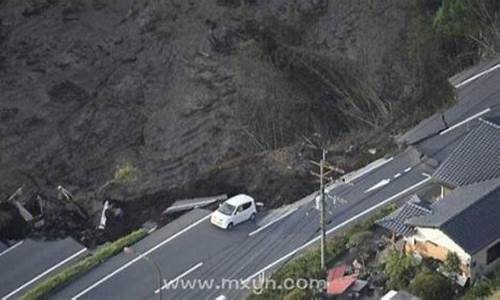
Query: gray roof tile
{"points": [[395, 221], [469, 215], [475, 159]]}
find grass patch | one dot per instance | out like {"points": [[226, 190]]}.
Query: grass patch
{"points": [[81, 267]]}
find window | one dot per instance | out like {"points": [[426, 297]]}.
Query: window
{"points": [[493, 253], [247, 205], [226, 209]]}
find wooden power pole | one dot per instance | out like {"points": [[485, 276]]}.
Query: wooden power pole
{"points": [[324, 170]]}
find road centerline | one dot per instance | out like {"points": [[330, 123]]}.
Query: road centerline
{"points": [[187, 272], [357, 216], [368, 170]]}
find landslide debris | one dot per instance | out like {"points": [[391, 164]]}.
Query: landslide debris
{"points": [[201, 97]]}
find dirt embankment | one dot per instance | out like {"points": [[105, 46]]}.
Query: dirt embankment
{"points": [[176, 89]]}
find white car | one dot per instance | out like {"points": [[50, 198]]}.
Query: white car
{"points": [[233, 211]]}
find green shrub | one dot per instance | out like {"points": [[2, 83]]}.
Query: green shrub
{"points": [[297, 294], [478, 291], [81, 267], [126, 173], [452, 265], [430, 285], [470, 26], [484, 288], [454, 17], [400, 269]]}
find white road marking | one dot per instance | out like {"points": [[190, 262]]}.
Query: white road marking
{"points": [[192, 269], [152, 229], [273, 221], [361, 214], [397, 175], [407, 170], [44, 273], [465, 121], [364, 171], [358, 173], [477, 76], [138, 257], [11, 248], [426, 175], [378, 185]]}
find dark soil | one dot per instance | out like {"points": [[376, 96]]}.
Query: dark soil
{"points": [[176, 89]]}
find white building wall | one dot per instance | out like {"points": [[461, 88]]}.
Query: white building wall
{"points": [[438, 237], [477, 262]]}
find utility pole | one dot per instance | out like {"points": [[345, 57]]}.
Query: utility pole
{"points": [[323, 164], [322, 206]]}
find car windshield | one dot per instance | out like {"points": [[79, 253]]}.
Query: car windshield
{"points": [[226, 209]]}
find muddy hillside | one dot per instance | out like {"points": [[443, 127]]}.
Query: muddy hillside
{"points": [[192, 98]]}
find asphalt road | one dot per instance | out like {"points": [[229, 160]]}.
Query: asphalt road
{"points": [[27, 262], [205, 252], [213, 254]]}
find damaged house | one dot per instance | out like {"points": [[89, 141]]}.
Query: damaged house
{"points": [[465, 217], [466, 222]]}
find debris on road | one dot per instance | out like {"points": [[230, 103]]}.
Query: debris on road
{"points": [[102, 223], [187, 204]]}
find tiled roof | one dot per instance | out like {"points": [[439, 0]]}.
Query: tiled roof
{"points": [[469, 215], [395, 221], [336, 272], [476, 158], [340, 285]]}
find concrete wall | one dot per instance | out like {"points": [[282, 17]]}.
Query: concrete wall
{"points": [[479, 265]]}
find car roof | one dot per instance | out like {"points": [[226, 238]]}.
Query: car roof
{"points": [[239, 199]]}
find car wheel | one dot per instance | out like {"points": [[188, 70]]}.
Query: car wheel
{"points": [[229, 226], [252, 217]]}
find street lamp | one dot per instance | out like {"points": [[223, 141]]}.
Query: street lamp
{"points": [[130, 251]]}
